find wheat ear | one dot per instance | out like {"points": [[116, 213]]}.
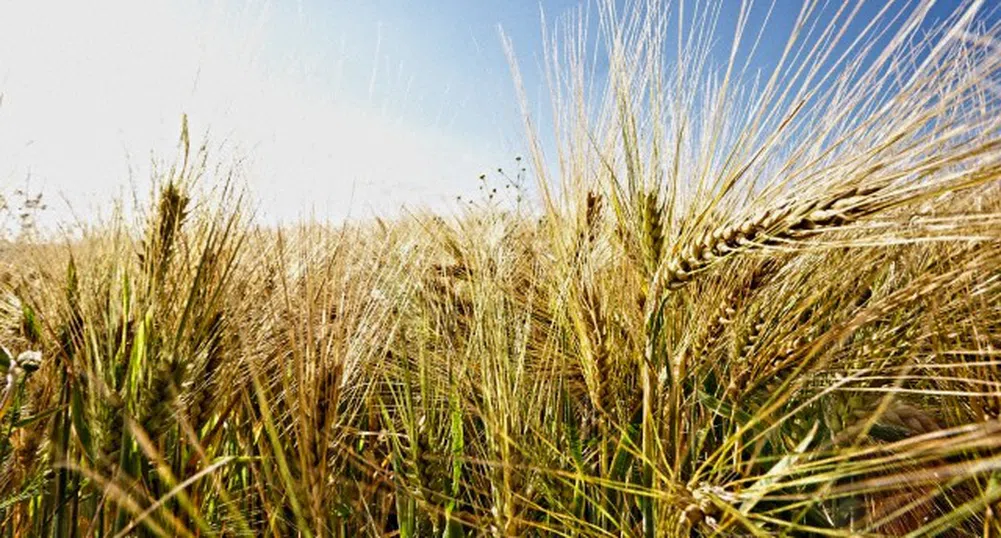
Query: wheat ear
{"points": [[789, 221]]}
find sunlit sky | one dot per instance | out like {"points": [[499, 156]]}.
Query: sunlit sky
{"points": [[340, 107]]}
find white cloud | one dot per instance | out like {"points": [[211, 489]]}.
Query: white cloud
{"points": [[85, 84]]}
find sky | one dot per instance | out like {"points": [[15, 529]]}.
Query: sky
{"points": [[336, 108]]}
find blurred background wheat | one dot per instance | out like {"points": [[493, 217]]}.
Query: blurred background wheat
{"points": [[765, 309]]}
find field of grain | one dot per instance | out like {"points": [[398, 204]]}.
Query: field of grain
{"points": [[741, 306]]}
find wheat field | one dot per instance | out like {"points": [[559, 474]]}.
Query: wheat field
{"points": [[743, 304]]}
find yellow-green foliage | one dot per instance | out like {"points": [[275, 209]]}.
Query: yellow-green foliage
{"points": [[752, 310]]}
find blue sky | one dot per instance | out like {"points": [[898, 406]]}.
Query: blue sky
{"points": [[340, 107]]}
